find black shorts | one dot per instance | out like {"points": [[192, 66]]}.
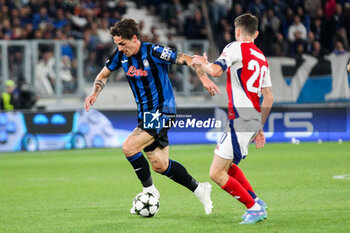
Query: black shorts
{"points": [[160, 136]]}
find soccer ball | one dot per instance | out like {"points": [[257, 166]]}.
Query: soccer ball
{"points": [[145, 204]]}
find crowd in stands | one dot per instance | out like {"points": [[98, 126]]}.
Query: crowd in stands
{"points": [[60, 20], [287, 28]]}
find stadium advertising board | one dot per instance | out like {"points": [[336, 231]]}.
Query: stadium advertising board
{"points": [[33, 131]]}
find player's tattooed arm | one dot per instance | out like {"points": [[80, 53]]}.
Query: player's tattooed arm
{"points": [[101, 80], [183, 59], [209, 85], [99, 84]]}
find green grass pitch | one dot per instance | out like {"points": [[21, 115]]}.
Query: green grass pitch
{"points": [[92, 191]]}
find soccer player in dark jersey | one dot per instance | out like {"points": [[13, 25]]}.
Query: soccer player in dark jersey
{"points": [[146, 69]]}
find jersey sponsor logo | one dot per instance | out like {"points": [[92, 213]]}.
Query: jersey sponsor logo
{"points": [[166, 54], [136, 72], [123, 61]]}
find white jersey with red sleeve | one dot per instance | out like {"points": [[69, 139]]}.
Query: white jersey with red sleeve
{"points": [[247, 72]]}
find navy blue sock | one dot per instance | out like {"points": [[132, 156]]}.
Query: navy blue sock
{"points": [[178, 173], [141, 168], [252, 194]]}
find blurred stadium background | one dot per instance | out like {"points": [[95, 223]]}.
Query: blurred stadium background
{"points": [[52, 51]]}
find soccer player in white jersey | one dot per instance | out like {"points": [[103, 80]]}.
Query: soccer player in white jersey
{"points": [[248, 77]]}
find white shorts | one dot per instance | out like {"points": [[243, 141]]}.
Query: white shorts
{"points": [[236, 138]]}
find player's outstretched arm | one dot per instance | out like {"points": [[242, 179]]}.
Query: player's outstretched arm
{"points": [[210, 68], [209, 85], [265, 111], [99, 84]]}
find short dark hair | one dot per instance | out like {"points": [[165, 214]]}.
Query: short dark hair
{"points": [[126, 28], [248, 22]]}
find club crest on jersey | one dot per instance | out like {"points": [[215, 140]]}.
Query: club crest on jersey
{"points": [[138, 72], [145, 63]]}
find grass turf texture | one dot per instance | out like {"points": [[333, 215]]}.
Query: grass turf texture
{"points": [[92, 191]]}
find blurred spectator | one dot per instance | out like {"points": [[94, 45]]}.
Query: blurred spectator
{"points": [[27, 96], [218, 9], [196, 27], [347, 18], [103, 34], [79, 18], [317, 50], [281, 46], [256, 7], [223, 41], [304, 17], [339, 48], [297, 30], [279, 8], [287, 21], [66, 47], [91, 37], [319, 30], [60, 20], [66, 75], [298, 40], [341, 35], [236, 10], [175, 15], [41, 17], [330, 8], [16, 63], [24, 15], [300, 50], [310, 42], [311, 6], [46, 74], [269, 20], [9, 99], [91, 67], [338, 17]]}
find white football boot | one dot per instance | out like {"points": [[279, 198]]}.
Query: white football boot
{"points": [[203, 194], [152, 189]]}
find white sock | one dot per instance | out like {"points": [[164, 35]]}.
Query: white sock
{"points": [[256, 206]]}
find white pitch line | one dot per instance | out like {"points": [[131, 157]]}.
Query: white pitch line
{"points": [[342, 177]]}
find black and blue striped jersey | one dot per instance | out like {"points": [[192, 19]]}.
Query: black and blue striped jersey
{"points": [[147, 74]]}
